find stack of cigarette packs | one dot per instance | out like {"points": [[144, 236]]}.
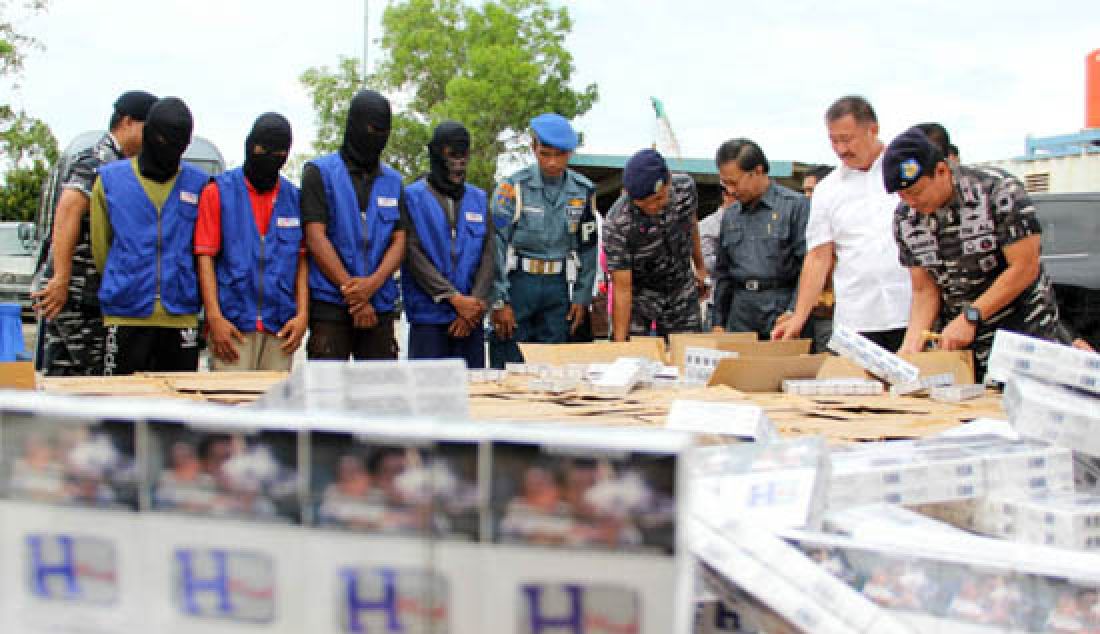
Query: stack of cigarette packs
{"points": [[777, 484], [134, 516], [946, 468], [438, 388], [1014, 353], [700, 363], [777, 587], [944, 581], [1065, 519], [832, 387]]}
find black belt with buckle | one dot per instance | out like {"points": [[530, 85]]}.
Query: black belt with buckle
{"points": [[757, 284]]}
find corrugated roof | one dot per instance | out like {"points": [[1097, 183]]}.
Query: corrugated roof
{"points": [[779, 169]]}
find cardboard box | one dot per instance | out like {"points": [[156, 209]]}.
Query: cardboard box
{"points": [[765, 374], [17, 375], [680, 342], [602, 352], [957, 362], [767, 348]]}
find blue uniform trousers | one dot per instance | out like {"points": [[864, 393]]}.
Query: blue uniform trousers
{"points": [[541, 304], [431, 341]]}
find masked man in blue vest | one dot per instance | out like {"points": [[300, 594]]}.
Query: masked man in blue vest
{"points": [[354, 212], [143, 215], [543, 214], [252, 269], [448, 270]]}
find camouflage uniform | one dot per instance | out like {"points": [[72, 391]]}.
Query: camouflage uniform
{"points": [[74, 340], [962, 246], [657, 251]]}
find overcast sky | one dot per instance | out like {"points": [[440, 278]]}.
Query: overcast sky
{"points": [[992, 72]]}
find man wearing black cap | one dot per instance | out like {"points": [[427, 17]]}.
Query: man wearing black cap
{"points": [[355, 215], [142, 230], [251, 265], [651, 238], [74, 331], [448, 272], [544, 215], [970, 239]]}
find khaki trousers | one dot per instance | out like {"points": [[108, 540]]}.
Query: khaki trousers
{"points": [[258, 351]]}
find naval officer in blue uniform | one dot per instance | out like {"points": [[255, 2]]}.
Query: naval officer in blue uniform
{"points": [[543, 216]]}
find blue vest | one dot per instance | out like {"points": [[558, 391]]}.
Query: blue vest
{"points": [[256, 275], [151, 256], [457, 257], [345, 230]]}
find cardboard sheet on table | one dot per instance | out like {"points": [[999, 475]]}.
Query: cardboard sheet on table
{"points": [[602, 352], [765, 374]]}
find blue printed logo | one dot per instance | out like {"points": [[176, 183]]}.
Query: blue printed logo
{"points": [[224, 584], [70, 568], [567, 608]]}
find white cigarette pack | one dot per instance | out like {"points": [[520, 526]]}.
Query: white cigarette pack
{"points": [[1014, 353], [872, 357], [832, 387], [922, 384], [956, 393], [1054, 413], [699, 363]]}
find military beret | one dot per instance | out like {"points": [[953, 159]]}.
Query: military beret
{"points": [[644, 174], [135, 104], [908, 157], [554, 130]]}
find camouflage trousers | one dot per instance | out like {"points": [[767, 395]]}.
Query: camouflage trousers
{"points": [[675, 311], [74, 342]]}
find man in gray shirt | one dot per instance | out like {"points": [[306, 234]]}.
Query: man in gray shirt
{"points": [[448, 270], [761, 245]]}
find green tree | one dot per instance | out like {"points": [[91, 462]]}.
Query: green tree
{"points": [[27, 146], [27, 150], [491, 67]]}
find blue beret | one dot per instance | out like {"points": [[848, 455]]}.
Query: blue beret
{"points": [[908, 157], [644, 174], [554, 130]]}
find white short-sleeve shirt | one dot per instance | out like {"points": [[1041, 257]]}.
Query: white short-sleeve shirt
{"points": [[852, 209]]}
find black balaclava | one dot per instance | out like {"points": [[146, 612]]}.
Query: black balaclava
{"points": [[272, 133], [166, 135], [362, 147], [448, 175]]}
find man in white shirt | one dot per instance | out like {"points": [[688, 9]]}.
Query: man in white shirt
{"points": [[851, 217]]}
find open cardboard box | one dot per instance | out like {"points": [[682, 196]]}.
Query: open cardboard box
{"points": [[761, 366], [957, 362], [597, 352], [18, 375], [680, 342]]}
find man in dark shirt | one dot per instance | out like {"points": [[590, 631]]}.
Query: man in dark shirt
{"points": [[762, 242], [74, 331], [651, 239], [355, 216], [970, 239], [448, 272]]}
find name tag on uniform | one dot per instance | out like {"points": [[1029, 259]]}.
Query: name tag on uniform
{"points": [[385, 201], [286, 223], [474, 217], [190, 198], [532, 210]]}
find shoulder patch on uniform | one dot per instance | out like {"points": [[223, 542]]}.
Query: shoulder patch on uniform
{"points": [[506, 194]]}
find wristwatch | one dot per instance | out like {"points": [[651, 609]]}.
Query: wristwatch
{"points": [[972, 314]]}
